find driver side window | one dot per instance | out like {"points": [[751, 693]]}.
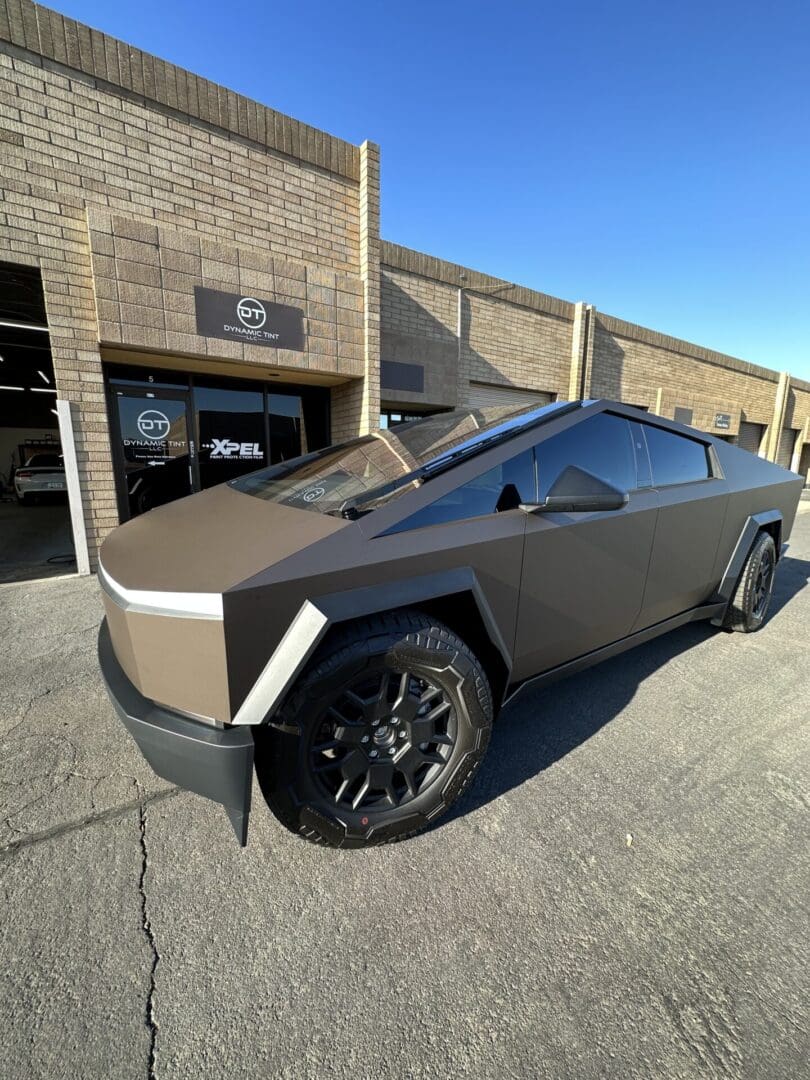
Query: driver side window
{"points": [[503, 488], [601, 445]]}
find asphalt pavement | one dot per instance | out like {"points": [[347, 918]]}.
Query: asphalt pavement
{"points": [[623, 892]]}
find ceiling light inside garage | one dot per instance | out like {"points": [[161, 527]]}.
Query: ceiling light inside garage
{"points": [[12, 387], [43, 389]]}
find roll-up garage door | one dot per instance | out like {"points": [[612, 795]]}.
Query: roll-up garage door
{"points": [[804, 464], [787, 440], [481, 395], [750, 436]]}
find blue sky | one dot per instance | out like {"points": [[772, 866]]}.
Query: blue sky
{"points": [[651, 159]]}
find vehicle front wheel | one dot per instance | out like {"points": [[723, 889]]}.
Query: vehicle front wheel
{"points": [[379, 736], [752, 597]]}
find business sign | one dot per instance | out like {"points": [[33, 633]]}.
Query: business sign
{"points": [[722, 420], [152, 434], [231, 450], [249, 319]]}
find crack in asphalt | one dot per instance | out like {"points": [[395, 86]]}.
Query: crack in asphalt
{"points": [[150, 1018], [82, 823]]}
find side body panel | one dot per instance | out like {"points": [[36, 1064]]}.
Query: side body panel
{"points": [[583, 581], [755, 486], [684, 553], [488, 550]]}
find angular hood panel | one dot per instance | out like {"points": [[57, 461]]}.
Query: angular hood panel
{"points": [[209, 542]]}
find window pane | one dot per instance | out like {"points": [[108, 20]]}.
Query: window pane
{"points": [[287, 429], [601, 445], [501, 488], [674, 459], [230, 433]]}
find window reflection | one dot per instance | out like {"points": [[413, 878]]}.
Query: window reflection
{"points": [[230, 433], [288, 436]]}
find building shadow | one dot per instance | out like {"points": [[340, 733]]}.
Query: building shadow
{"points": [[542, 725]]}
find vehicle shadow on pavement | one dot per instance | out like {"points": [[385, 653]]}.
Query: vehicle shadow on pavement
{"points": [[791, 577], [545, 724]]}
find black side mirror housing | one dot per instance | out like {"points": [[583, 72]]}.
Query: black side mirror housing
{"points": [[576, 491]]}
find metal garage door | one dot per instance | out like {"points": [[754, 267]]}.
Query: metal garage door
{"points": [[787, 440], [804, 464], [750, 436], [481, 394]]}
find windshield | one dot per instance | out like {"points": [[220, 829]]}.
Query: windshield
{"points": [[376, 467]]}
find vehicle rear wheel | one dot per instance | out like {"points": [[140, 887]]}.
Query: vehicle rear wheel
{"points": [[379, 736], [752, 597]]}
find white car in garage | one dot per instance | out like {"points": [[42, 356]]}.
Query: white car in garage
{"points": [[42, 474]]}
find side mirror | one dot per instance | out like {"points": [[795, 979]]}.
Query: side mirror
{"points": [[576, 491]]}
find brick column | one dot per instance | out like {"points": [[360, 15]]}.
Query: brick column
{"points": [[778, 421], [579, 384], [370, 273], [71, 310], [356, 404]]}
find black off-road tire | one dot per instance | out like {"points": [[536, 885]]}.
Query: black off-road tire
{"points": [[752, 596], [421, 657]]}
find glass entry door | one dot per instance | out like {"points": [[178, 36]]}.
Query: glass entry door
{"points": [[153, 447]]}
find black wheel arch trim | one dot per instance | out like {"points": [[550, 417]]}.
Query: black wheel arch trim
{"points": [[752, 527], [319, 614]]}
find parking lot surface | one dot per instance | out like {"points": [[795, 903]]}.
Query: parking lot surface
{"points": [[622, 893]]}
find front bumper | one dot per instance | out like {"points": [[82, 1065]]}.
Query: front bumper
{"points": [[216, 763]]}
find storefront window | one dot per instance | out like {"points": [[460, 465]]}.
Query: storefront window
{"points": [[288, 436], [175, 433], [230, 433]]}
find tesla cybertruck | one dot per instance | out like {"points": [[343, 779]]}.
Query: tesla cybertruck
{"points": [[350, 622]]}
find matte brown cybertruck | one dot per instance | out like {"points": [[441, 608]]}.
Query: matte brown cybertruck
{"points": [[355, 618]]}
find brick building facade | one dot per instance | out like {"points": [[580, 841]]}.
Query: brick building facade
{"points": [[136, 192]]}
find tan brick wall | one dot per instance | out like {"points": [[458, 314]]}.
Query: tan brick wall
{"points": [[504, 343], [797, 413], [704, 410], [418, 307], [419, 318], [184, 182], [82, 140], [632, 364], [517, 338], [514, 336], [144, 277]]}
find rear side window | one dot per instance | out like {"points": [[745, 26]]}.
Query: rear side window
{"points": [[601, 445], [675, 459], [498, 489]]}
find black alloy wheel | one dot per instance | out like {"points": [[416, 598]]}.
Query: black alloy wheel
{"points": [[762, 584], [752, 596], [387, 737], [380, 735]]}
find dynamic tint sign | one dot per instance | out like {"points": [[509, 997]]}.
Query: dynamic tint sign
{"points": [[248, 319]]}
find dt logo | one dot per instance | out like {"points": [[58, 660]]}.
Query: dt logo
{"points": [[153, 425], [251, 313]]}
